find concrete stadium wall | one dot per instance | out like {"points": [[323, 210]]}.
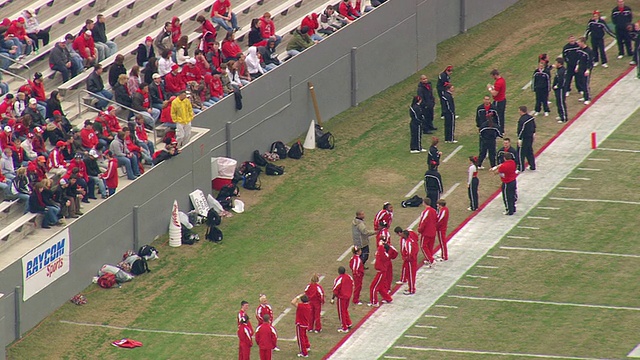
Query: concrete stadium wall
{"points": [[372, 54]]}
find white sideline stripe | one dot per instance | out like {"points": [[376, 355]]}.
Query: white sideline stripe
{"points": [[498, 257], [426, 326], [635, 353], [620, 150], [459, 351], [321, 278], [528, 227], [415, 188], [598, 200], [538, 217], [549, 208], [594, 159], [344, 254], [277, 320], [567, 188], [569, 251], [452, 153], [487, 267], [416, 337], [414, 223], [448, 192], [477, 277], [446, 306], [518, 237], [546, 303], [467, 286], [589, 169], [578, 178], [435, 316], [394, 357]]}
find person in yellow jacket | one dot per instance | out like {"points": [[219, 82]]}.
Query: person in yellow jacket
{"points": [[182, 115]]}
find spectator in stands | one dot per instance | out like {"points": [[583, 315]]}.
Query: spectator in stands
{"points": [[214, 87], [358, 7], [163, 41], [22, 187], [78, 168], [166, 118], [168, 152], [311, 21], [38, 92], [76, 59], [346, 9], [110, 177], [105, 47], [174, 81], [243, 72], [8, 48], [120, 91], [36, 169], [88, 135], [33, 29], [37, 119], [254, 67], [6, 164], [230, 48], [221, 14], [54, 104], [67, 205], [300, 41], [145, 52], [140, 102], [6, 109], [209, 33], [176, 29], [102, 132], [85, 46], [182, 115], [165, 63], [48, 197], [190, 72], [133, 82], [157, 92], [38, 141], [234, 77], [227, 87], [60, 60], [18, 33], [215, 56], [202, 63], [269, 56], [5, 186], [150, 69], [96, 86], [93, 171], [56, 162], [54, 132], [182, 49], [193, 94], [268, 29], [74, 192], [116, 70], [255, 34], [132, 145], [20, 104], [38, 206], [142, 138], [19, 155], [27, 146]]}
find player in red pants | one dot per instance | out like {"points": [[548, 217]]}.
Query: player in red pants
{"points": [[357, 271], [409, 250], [303, 315], [263, 308], [246, 341], [393, 254], [266, 338], [342, 289], [315, 293], [427, 230], [379, 283], [441, 227]]}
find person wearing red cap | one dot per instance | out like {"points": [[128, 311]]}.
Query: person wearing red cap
{"points": [[498, 90], [622, 16], [174, 81], [507, 172], [343, 289], [17, 31], [56, 163], [37, 169], [145, 52], [597, 28], [473, 182]]}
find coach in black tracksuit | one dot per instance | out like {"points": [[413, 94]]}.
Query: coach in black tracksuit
{"points": [[541, 84], [622, 16], [443, 79], [559, 89], [449, 111], [507, 148], [597, 29], [526, 136], [433, 184], [483, 111], [570, 55], [415, 125], [428, 103], [583, 72], [488, 135]]}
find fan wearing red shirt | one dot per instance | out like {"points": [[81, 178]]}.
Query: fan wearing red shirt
{"points": [[17, 29], [379, 283], [315, 293], [385, 214], [174, 81], [311, 21], [268, 29], [214, 86], [346, 9], [191, 72], [56, 163], [245, 334], [88, 183], [88, 135], [498, 90], [230, 48], [427, 230], [507, 173], [266, 337], [441, 227], [342, 289], [303, 317], [357, 271], [263, 308], [86, 48], [221, 13], [110, 177]]}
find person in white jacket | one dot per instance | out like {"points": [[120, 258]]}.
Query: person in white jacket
{"points": [[253, 63]]}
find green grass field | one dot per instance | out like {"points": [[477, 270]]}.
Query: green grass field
{"points": [[300, 224]]}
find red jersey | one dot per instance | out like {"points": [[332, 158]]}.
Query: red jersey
{"points": [[384, 232], [507, 171], [89, 138], [443, 218], [165, 116], [267, 28], [315, 293], [345, 9], [174, 83], [56, 159], [220, 7], [385, 215], [382, 259], [393, 253], [80, 45], [214, 84], [311, 21], [501, 87], [141, 133], [191, 73], [37, 91], [111, 175], [82, 168], [303, 314], [39, 171], [356, 265], [266, 337], [428, 221], [18, 31], [176, 30], [6, 110], [261, 310], [230, 49], [245, 334], [343, 287], [409, 247]]}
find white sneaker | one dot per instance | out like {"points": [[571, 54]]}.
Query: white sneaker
{"points": [[535, 113], [567, 94], [605, 65], [458, 117], [558, 118], [546, 113], [442, 117], [369, 304], [340, 331], [581, 99], [587, 102], [454, 141], [560, 121], [399, 282], [480, 167], [632, 62], [424, 150], [620, 56], [359, 303], [595, 63], [415, 151], [470, 209]]}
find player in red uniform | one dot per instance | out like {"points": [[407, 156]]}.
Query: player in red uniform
{"points": [[385, 214], [245, 334], [441, 227], [303, 317], [393, 254], [507, 173], [263, 308], [409, 250], [315, 293], [266, 338], [342, 289], [498, 90], [357, 272], [379, 283], [427, 230], [244, 307]]}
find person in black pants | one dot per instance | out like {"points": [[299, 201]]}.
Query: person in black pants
{"points": [[433, 184], [507, 172], [415, 125], [570, 55], [472, 183], [449, 111], [622, 16], [559, 89], [526, 136], [443, 79], [425, 92], [583, 72], [483, 111], [541, 84], [488, 134], [433, 156], [597, 29]]}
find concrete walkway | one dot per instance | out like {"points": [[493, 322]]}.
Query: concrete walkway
{"points": [[479, 235]]}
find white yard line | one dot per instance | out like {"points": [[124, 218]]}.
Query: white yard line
{"points": [[487, 267], [518, 237], [446, 306], [567, 188], [635, 353], [460, 351], [548, 208], [435, 316], [537, 302], [577, 178], [598, 200], [589, 169], [448, 192], [425, 326], [344, 254], [538, 218], [452, 153], [467, 286], [394, 357], [415, 188], [498, 257], [620, 150], [416, 337], [528, 227], [594, 159], [477, 277], [569, 251], [277, 320]]}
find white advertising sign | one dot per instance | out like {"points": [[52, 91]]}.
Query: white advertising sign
{"points": [[199, 202], [46, 264]]}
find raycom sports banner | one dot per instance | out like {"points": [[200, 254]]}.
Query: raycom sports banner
{"points": [[46, 264]]}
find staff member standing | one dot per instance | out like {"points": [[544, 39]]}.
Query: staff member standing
{"points": [[472, 183], [303, 317], [415, 125], [570, 55], [441, 228], [483, 111], [379, 282], [342, 289], [488, 135], [425, 92], [499, 92], [443, 79], [427, 230], [433, 184], [409, 251], [559, 89], [583, 70], [597, 28], [357, 271], [507, 148], [361, 235], [526, 136], [541, 84], [449, 113], [622, 16], [433, 156], [507, 173]]}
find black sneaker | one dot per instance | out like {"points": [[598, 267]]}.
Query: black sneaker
{"points": [[403, 204]]}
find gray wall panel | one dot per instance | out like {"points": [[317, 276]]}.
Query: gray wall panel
{"points": [[447, 18]]}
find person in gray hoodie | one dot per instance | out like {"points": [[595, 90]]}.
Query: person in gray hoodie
{"points": [[361, 235]]}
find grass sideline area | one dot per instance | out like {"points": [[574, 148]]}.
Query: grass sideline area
{"points": [[300, 222], [574, 263]]}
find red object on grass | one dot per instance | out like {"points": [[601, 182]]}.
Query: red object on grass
{"points": [[219, 183]]}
